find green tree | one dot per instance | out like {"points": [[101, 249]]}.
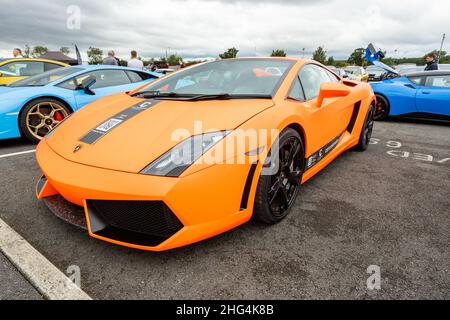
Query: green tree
{"points": [[357, 57], [65, 50], [341, 64], [320, 55], [95, 55], [27, 51], [331, 61], [174, 60], [193, 62], [38, 51], [229, 54], [278, 53]]}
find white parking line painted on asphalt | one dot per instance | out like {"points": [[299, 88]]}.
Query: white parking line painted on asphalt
{"points": [[16, 153], [41, 273]]}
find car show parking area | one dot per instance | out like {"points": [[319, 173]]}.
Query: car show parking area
{"points": [[388, 207]]}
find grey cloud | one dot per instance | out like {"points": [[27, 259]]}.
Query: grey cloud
{"points": [[200, 28]]}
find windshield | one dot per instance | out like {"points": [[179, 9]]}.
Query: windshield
{"points": [[242, 77], [45, 78]]}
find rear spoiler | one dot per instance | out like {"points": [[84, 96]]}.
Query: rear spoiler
{"points": [[373, 56]]}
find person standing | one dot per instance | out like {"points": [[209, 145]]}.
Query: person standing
{"points": [[135, 63], [17, 53], [432, 65], [110, 60]]}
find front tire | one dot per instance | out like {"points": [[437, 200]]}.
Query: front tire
{"points": [[276, 193], [40, 116]]}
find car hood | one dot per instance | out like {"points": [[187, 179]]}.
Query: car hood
{"points": [[385, 67], [15, 92], [142, 138], [5, 89]]}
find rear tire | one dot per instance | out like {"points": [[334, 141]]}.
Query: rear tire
{"points": [[40, 116], [382, 108], [276, 193], [366, 132]]}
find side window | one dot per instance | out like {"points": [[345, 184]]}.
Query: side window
{"points": [[297, 91], [68, 84], [332, 77], [105, 78], [312, 76], [51, 66], [22, 69], [438, 81], [134, 76], [416, 80], [110, 78], [146, 76]]}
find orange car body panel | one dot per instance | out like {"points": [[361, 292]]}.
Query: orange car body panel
{"points": [[205, 198]]}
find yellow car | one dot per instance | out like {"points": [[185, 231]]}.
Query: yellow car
{"points": [[17, 69]]}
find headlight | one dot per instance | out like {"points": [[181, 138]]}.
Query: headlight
{"points": [[174, 162]]}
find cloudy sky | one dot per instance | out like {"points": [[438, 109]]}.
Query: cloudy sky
{"points": [[205, 28]]}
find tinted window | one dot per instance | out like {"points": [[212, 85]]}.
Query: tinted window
{"points": [[105, 78], [297, 91], [416, 80], [438, 81], [134, 76], [312, 77], [51, 66], [22, 69]]}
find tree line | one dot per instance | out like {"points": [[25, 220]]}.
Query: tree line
{"points": [[96, 55]]}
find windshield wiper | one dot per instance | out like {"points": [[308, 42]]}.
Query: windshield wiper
{"points": [[199, 97], [227, 96], [151, 94]]}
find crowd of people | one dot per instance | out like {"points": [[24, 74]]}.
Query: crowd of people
{"points": [[134, 62]]}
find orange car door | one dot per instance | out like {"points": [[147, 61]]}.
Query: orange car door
{"points": [[328, 121]]}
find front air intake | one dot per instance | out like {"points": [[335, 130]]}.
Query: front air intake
{"points": [[147, 223]]}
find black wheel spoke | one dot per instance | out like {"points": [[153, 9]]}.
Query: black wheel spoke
{"points": [[294, 177], [285, 198], [273, 192], [294, 152]]}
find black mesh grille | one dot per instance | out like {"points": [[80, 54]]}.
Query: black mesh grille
{"points": [[151, 218]]}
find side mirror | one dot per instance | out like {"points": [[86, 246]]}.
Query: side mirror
{"points": [[332, 90], [87, 84]]}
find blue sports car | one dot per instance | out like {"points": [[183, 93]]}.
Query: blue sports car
{"points": [[414, 95], [34, 106]]}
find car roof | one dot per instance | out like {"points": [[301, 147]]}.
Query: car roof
{"points": [[34, 59], [429, 73]]}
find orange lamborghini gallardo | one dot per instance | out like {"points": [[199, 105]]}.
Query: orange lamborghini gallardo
{"points": [[201, 151]]}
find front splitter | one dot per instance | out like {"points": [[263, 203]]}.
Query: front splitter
{"points": [[66, 211]]}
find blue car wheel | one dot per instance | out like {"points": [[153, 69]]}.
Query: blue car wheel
{"points": [[382, 108], [40, 116]]}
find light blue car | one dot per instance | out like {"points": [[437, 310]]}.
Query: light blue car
{"points": [[34, 106]]}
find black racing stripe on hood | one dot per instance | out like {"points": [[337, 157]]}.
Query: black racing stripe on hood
{"points": [[108, 125]]}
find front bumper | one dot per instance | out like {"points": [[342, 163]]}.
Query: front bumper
{"points": [[205, 203], [9, 125]]}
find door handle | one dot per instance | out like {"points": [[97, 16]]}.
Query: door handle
{"points": [[426, 92]]}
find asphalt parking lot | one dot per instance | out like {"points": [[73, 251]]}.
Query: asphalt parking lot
{"points": [[388, 207]]}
